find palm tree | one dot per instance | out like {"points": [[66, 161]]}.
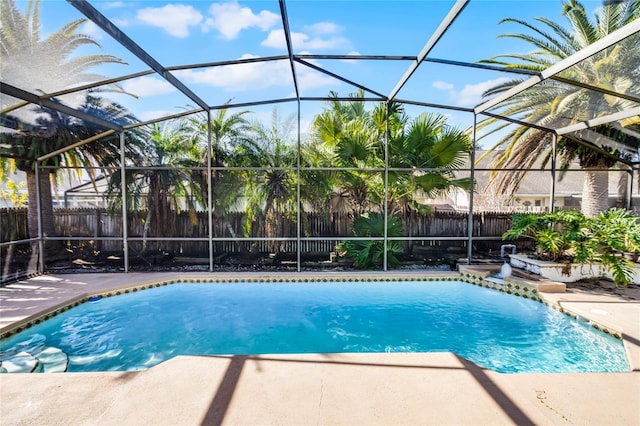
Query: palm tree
{"points": [[270, 193], [426, 149], [555, 104], [355, 140], [435, 151], [52, 131], [228, 130], [44, 65], [167, 182]]}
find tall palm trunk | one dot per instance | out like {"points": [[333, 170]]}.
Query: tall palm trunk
{"points": [[46, 204], [622, 186], [270, 225], [595, 193]]}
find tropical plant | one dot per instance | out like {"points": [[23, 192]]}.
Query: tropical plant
{"points": [[168, 182], [612, 234], [269, 187], [554, 233], [54, 131], [355, 141], [228, 131], [570, 236], [433, 151], [368, 254], [555, 104], [423, 153], [43, 65]]}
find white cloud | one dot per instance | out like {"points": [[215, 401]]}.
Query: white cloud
{"points": [[309, 79], [351, 61], [112, 5], [323, 28], [442, 85], [121, 22], [253, 76], [277, 40], [229, 19], [148, 86], [92, 30], [471, 94], [257, 76], [174, 19]]}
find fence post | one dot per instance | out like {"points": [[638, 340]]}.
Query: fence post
{"points": [[98, 230]]}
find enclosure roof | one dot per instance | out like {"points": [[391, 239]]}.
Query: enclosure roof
{"points": [[192, 56]]}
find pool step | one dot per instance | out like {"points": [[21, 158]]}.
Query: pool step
{"points": [[22, 362], [53, 360], [49, 360]]}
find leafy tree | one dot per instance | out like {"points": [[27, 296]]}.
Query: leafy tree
{"points": [[423, 155], [228, 131], [554, 104]]}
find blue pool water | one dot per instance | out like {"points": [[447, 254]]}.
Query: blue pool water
{"points": [[498, 331]]}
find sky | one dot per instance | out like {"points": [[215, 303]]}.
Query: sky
{"points": [[196, 32]]}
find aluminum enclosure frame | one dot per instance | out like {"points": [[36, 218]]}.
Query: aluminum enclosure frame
{"points": [[552, 73]]}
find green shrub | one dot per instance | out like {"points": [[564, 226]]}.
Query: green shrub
{"points": [[368, 254], [570, 236]]}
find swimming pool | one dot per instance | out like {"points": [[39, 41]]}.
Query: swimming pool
{"points": [[138, 330]]}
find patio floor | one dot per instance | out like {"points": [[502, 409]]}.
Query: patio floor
{"points": [[417, 388]]}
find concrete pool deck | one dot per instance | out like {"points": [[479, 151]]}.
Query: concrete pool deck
{"points": [[416, 388]]}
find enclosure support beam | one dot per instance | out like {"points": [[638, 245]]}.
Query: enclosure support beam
{"points": [[597, 149], [209, 190], [123, 190], [298, 200], [76, 145], [110, 28], [338, 77], [472, 184], [621, 115], [628, 201], [432, 105], [16, 92], [40, 259], [386, 188], [287, 37], [598, 89], [438, 33], [554, 147], [605, 42]]}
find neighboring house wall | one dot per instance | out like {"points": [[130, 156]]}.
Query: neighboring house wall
{"points": [[534, 193]]}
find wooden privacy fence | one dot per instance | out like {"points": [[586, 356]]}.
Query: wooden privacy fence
{"points": [[98, 223]]}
